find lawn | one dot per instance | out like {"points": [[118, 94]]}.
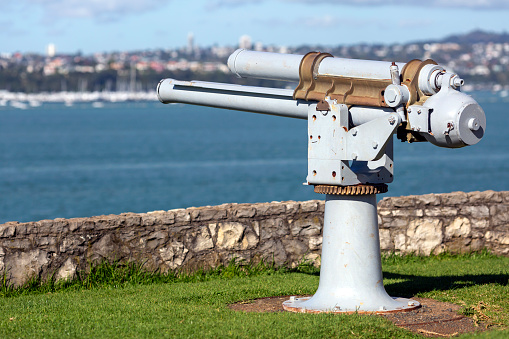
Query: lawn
{"points": [[116, 301]]}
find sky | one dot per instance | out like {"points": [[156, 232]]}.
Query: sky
{"points": [[90, 26]]}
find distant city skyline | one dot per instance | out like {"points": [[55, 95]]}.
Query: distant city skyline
{"points": [[91, 26]]}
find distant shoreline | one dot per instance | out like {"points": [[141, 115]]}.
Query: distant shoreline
{"points": [[25, 100]]}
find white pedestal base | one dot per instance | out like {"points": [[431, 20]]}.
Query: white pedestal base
{"points": [[351, 269]]}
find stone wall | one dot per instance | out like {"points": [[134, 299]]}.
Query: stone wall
{"points": [[454, 222], [283, 232]]}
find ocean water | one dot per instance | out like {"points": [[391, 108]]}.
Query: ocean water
{"points": [[58, 161]]}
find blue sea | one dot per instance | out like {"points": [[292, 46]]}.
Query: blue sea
{"points": [[62, 162]]}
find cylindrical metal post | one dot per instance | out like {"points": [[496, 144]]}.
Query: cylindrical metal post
{"points": [[277, 66], [271, 101], [351, 271]]}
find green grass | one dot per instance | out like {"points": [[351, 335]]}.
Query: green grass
{"points": [[113, 301]]}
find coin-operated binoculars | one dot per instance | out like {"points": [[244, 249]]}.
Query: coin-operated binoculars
{"points": [[353, 108]]}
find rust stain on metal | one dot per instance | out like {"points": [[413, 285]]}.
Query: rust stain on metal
{"points": [[410, 73], [323, 106], [351, 190], [297, 309], [357, 91], [346, 90]]}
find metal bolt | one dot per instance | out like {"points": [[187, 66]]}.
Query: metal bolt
{"points": [[418, 111], [411, 303], [391, 95], [409, 110], [382, 308], [456, 81], [473, 124], [375, 145], [392, 120], [354, 156], [292, 298], [354, 132]]}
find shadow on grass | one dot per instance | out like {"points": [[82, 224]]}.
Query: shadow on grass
{"points": [[408, 285], [414, 284]]}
